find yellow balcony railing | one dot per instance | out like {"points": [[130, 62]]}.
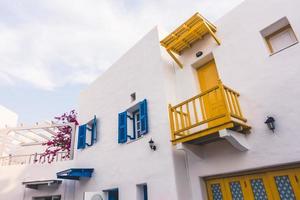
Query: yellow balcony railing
{"points": [[213, 110]]}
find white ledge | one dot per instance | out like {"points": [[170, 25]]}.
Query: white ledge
{"points": [[237, 140]]}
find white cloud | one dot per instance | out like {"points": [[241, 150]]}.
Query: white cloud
{"points": [[51, 43]]}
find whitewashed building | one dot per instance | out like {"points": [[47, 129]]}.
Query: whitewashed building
{"points": [[208, 111]]}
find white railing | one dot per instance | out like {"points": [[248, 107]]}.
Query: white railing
{"points": [[32, 159]]}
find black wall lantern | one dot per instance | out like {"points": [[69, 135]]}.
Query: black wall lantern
{"points": [[199, 53], [152, 145], [270, 123]]}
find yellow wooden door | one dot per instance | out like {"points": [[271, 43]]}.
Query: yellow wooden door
{"points": [[284, 184], [208, 76], [213, 102], [258, 187], [298, 177], [275, 185], [236, 188], [216, 189]]}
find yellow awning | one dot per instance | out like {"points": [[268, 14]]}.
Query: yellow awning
{"points": [[188, 33]]}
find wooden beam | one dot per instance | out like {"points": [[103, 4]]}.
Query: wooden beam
{"points": [[169, 47], [175, 59], [27, 136], [40, 135], [50, 131], [212, 34], [192, 31], [182, 40]]}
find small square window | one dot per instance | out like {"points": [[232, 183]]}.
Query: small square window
{"points": [[279, 36], [133, 97]]}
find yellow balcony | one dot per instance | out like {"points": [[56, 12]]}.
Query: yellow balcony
{"points": [[198, 119]]}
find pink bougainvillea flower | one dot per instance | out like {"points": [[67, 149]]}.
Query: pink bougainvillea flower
{"points": [[61, 142]]}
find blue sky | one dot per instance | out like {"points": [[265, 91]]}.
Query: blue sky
{"points": [[52, 49]]}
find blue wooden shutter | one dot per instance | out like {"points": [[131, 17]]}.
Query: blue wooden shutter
{"points": [[122, 130], [113, 194], [145, 191], [81, 137], [144, 117], [94, 131]]}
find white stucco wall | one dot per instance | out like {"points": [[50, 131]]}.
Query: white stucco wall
{"points": [[7, 117], [124, 166], [12, 177], [268, 86]]}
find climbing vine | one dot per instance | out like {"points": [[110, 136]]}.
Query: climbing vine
{"points": [[61, 141]]}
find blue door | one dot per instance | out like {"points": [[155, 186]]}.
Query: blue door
{"points": [[113, 194]]}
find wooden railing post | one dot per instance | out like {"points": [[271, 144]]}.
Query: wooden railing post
{"points": [[171, 122], [222, 90]]}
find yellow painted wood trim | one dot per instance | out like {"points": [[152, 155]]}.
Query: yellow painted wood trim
{"points": [[196, 97], [288, 166], [171, 122], [200, 123], [202, 133], [245, 182], [212, 34], [175, 59]]}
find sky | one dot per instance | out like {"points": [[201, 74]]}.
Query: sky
{"points": [[50, 50]]}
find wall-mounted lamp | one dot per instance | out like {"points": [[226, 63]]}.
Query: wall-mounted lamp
{"points": [[199, 53], [270, 123], [152, 145]]}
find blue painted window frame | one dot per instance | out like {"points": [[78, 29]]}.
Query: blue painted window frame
{"points": [[113, 194], [123, 135], [82, 131], [145, 191]]}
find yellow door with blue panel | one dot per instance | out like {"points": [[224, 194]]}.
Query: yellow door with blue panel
{"points": [[285, 184], [274, 185], [213, 102]]}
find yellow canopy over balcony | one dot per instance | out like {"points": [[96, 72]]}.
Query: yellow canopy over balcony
{"points": [[188, 33]]}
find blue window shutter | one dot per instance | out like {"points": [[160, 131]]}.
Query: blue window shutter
{"points": [[144, 117], [81, 137], [113, 194], [145, 191], [122, 129], [94, 130]]}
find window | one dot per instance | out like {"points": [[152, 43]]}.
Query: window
{"points": [[133, 123], [83, 137], [279, 36], [133, 97], [142, 192], [112, 194]]}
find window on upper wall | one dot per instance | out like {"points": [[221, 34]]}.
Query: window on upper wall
{"points": [[133, 123], [87, 134], [279, 36]]}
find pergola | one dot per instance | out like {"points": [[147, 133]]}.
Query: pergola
{"points": [[182, 38], [31, 135]]}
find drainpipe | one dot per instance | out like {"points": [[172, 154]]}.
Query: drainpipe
{"points": [[186, 159]]}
